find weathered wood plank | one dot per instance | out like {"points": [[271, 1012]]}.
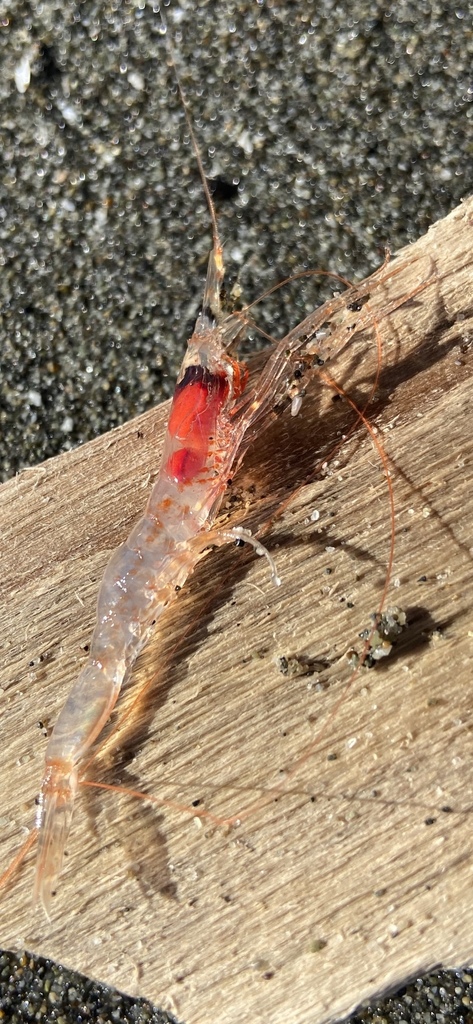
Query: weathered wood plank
{"points": [[360, 872]]}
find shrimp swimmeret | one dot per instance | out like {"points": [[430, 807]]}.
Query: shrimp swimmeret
{"points": [[214, 417]]}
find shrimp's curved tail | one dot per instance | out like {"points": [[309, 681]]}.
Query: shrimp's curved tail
{"points": [[55, 806]]}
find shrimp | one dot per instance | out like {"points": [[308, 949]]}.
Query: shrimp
{"points": [[201, 449], [213, 419], [211, 423]]}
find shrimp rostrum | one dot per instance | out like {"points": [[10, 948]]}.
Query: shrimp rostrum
{"points": [[214, 416]]}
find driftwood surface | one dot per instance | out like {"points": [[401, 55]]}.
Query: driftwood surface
{"points": [[357, 872]]}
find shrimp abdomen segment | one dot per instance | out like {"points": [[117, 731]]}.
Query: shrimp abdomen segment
{"points": [[84, 715]]}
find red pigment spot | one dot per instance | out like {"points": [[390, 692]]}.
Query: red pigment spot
{"points": [[166, 504], [185, 464], [197, 402]]}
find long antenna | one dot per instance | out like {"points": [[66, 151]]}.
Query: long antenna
{"points": [[216, 268]]}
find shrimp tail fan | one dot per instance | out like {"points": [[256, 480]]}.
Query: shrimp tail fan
{"points": [[55, 806]]}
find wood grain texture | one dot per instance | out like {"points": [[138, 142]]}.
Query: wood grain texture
{"points": [[358, 871]]}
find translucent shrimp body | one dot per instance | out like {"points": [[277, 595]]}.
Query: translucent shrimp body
{"points": [[142, 575]]}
